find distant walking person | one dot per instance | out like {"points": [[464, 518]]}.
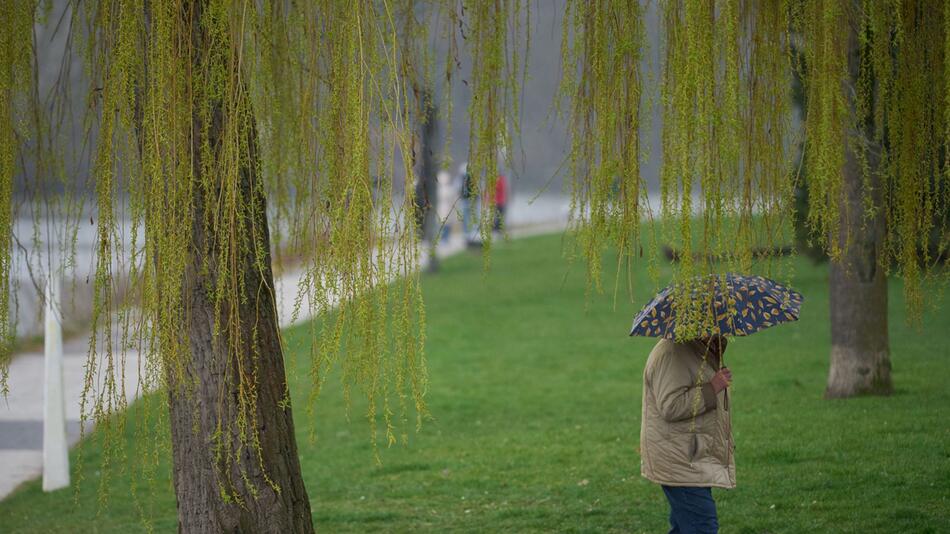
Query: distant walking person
{"points": [[469, 202], [501, 202], [686, 432]]}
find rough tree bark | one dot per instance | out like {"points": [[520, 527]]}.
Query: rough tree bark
{"points": [[860, 350], [208, 394]]}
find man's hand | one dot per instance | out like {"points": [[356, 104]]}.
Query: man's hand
{"points": [[721, 380]]}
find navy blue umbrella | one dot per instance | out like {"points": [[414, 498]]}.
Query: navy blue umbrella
{"points": [[742, 305]]}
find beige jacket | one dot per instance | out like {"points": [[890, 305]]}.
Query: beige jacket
{"points": [[686, 430]]}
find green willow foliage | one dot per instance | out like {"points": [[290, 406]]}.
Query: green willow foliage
{"points": [[824, 52], [910, 119], [603, 84], [313, 105], [316, 100], [874, 84], [725, 102], [495, 29], [321, 100], [16, 82], [883, 94]]}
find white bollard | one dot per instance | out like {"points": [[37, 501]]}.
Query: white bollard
{"points": [[55, 448]]}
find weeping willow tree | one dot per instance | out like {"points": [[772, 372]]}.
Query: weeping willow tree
{"points": [[228, 135], [875, 138], [227, 131], [876, 155]]}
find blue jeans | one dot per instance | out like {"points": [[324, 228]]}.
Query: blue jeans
{"points": [[692, 510], [469, 216]]}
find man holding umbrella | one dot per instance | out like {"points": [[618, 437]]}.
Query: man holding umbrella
{"points": [[686, 434], [686, 441]]}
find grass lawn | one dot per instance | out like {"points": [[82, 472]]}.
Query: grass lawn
{"points": [[536, 400]]}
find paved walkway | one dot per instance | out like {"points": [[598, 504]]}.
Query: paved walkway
{"points": [[21, 414]]}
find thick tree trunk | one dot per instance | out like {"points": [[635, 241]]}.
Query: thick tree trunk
{"points": [[223, 483], [860, 353], [860, 350], [206, 402]]}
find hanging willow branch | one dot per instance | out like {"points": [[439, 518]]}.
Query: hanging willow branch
{"points": [[16, 83], [312, 106], [884, 97], [201, 111], [910, 125], [725, 183], [603, 84], [309, 108], [495, 31], [824, 24]]}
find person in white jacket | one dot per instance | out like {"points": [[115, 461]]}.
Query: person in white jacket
{"points": [[448, 196]]}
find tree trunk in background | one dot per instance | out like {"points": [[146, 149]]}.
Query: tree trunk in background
{"points": [[860, 350], [431, 225], [207, 397]]}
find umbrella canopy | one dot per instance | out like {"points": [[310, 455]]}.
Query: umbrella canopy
{"points": [[742, 305]]}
